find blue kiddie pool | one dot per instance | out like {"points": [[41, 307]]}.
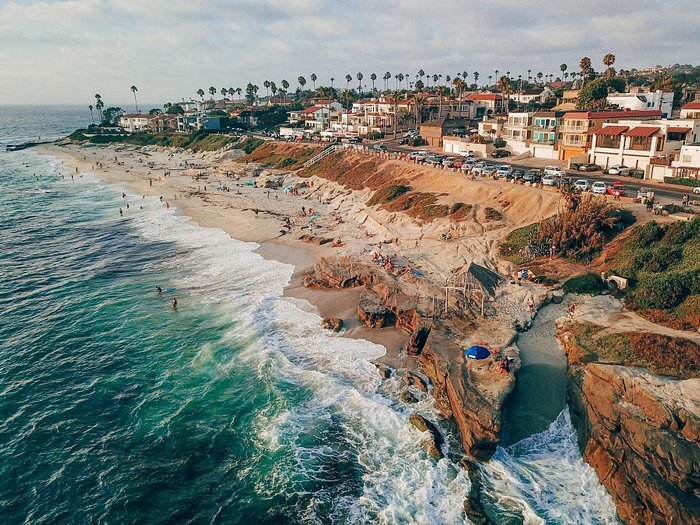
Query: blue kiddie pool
{"points": [[477, 352]]}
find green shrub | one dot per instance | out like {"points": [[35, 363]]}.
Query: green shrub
{"points": [[416, 141], [590, 284], [664, 292], [387, 194], [662, 258], [637, 174], [682, 181]]}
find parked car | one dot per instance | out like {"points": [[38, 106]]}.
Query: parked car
{"points": [[503, 171], [619, 169], [449, 162], [518, 173], [434, 160], [554, 171], [618, 186], [581, 184], [564, 181], [488, 171], [478, 168], [696, 190], [379, 147], [599, 188], [589, 167], [531, 176], [549, 180], [643, 193], [500, 153]]}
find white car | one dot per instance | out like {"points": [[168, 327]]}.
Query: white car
{"points": [[581, 184], [696, 190], [599, 188], [503, 171], [478, 168], [554, 171], [643, 193], [549, 180], [618, 169]]}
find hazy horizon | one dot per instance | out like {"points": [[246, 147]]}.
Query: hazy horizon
{"points": [[65, 51]]}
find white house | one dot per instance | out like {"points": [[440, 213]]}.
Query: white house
{"points": [[134, 122], [691, 110], [532, 95], [660, 100], [641, 145], [490, 102]]}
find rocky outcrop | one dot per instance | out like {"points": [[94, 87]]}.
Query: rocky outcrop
{"points": [[372, 311], [641, 434], [339, 272], [334, 324], [414, 345], [434, 440], [471, 392]]}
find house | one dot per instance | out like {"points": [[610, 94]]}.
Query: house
{"points": [[537, 95], [575, 134], [568, 101], [640, 145], [162, 122], [433, 131], [316, 118], [491, 128], [638, 101], [134, 122], [688, 163], [691, 110], [487, 103], [533, 132]]}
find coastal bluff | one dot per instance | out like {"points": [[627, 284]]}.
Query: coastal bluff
{"points": [[472, 393], [641, 434]]}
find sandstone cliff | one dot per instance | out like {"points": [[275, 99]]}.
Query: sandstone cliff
{"points": [[641, 434]]}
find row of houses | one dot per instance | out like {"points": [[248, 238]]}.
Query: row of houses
{"points": [[145, 122]]}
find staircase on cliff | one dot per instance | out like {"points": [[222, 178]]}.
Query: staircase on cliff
{"points": [[313, 160]]}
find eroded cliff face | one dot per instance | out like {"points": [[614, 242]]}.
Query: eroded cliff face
{"points": [[472, 392], [641, 434]]}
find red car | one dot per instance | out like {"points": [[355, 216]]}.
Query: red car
{"points": [[618, 188]]}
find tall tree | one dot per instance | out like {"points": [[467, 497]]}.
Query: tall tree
{"points": [[302, 82], [212, 91], [267, 85], [348, 78], [250, 93], [134, 89], [490, 77], [539, 76], [200, 92], [373, 78], [563, 68], [313, 80], [332, 80], [285, 87], [273, 88], [476, 78], [609, 60], [585, 67], [224, 91], [360, 76], [506, 88], [386, 78]]}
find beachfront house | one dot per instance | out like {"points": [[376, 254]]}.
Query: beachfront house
{"points": [[639, 101], [134, 122], [487, 103]]}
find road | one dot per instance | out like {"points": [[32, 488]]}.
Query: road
{"points": [[666, 194]]}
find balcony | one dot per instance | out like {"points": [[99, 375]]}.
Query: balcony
{"points": [[543, 142], [573, 129]]}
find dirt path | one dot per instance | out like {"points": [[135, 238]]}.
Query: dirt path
{"points": [[540, 391]]}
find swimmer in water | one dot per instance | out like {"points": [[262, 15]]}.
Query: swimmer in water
{"points": [[175, 303], [121, 212], [159, 289]]}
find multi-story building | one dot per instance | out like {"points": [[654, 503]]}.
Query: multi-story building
{"points": [[691, 110], [575, 134], [487, 103], [639, 101], [134, 122], [640, 145]]}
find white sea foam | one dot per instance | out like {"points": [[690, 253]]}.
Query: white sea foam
{"points": [[542, 479]]}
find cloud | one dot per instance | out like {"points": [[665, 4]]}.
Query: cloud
{"points": [[66, 50]]}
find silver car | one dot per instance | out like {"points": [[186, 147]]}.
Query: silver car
{"points": [[549, 180]]}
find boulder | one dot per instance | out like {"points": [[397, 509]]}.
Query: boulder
{"points": [[334, 324], [413, 379], [407, 397], [434, 440], [372, 310], [384, 371]]}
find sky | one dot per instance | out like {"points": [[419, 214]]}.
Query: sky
{"points": [[65, 51]]}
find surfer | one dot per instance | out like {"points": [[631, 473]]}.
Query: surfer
{"points": [[159, 289]]}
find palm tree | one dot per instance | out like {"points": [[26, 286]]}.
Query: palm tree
{"points": [[401, 77], [200, 92], [476, 78], [585, 66], [506, 88], [267, 85], [563, 68], [459, 86], [231, 92], [98, 106], [490, 77], [92, 116], [508, 74], [360, 76], [134, 89], [348, 78], [313, 79], [224, 91], [285, 87], [273, 88], [609, 60], [373, 78], [440, 91], [302, 82], [332, 80], [386, 78], [496, 77], [435, 79], [212, 92], [239, 91], [529, 74], [539, 76]]}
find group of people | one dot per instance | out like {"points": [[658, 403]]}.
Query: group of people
{"points": [[159, 291]]}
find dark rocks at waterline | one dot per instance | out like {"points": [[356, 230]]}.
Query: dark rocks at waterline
{"points": [[407, 397], [384, 371], [334, 324], [434, 440]]}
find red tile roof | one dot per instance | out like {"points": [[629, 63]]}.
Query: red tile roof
{"points": [[612, 131], [611, 114], [674, 129], [642, 131], [692, 105], [485, 96]]}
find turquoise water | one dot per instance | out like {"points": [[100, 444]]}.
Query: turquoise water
{"points": [[234, 408]]}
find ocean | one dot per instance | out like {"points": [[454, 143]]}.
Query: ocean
{"points": [[236, 407]]}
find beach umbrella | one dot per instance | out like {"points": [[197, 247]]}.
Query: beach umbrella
{"points": [[477, 352]]}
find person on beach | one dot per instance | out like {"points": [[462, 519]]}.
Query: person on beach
{"points": [[686, 200], [167, 205], [531, 305], [174, 303]]}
